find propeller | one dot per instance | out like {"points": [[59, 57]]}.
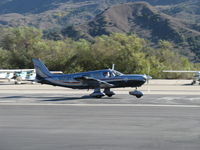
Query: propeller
{"points": [[113, 66], [148, 77]]}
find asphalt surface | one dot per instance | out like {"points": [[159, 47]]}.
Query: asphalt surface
{"points": [[34, 117]]}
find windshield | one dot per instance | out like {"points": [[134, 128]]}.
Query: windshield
{"points": [[116, 73]]}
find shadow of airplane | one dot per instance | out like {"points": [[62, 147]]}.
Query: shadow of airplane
{"points": [[189, 84], [54, 99], [67, 98]]}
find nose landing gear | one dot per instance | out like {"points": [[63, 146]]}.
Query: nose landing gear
{"points": [[136, 93]]}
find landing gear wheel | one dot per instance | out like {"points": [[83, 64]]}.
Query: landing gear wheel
{"points": [[108, 92], [136, 93], [193, 82], [98, 96], [109, 95], [138, 96], [97, 93]]}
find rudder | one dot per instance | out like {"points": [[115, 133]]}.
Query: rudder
{"points": [[41, 70]]}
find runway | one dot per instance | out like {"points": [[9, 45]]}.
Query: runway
{"points": [[40, 117]]}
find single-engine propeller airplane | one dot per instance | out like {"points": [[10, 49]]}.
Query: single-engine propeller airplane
{"points": [[97, 80]]}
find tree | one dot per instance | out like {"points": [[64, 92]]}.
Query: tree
{"points": [[4, 59], [19, 42]]}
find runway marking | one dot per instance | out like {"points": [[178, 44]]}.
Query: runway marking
{"points": [[101, 105]]}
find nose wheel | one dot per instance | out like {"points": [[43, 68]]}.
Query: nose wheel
{"points": [[136, 93]]}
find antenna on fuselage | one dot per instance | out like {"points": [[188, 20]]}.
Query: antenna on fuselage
{"points": [[113, 66]]}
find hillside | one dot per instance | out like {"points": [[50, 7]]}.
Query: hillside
{"points": [[47, 14], [38, 6], [177, 21], [147, 22], [188, 11]]}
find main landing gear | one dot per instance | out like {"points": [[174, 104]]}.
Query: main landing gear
{"points": [[136, 93], [108, 92], [98, 94], [193, 82]]}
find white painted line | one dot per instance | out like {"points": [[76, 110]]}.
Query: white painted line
{"points": [[100, 105]]}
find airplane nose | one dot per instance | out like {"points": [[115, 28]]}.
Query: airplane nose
{"points": [[147, 77]]}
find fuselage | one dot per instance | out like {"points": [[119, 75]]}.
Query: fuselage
{"points": [[110, 76]]}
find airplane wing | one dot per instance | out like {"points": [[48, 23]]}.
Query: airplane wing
{"points": [[180, 71], [93, 82]]}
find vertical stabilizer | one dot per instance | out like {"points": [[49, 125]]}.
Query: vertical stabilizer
{"points": [[41, 70]]}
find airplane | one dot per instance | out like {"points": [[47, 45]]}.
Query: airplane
{"points": [[196, 77], [18, 75], [97, 80]]}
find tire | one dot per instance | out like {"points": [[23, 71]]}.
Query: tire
{"points": [[98, 96], [193, 82], [138, 96], [110, 95]]}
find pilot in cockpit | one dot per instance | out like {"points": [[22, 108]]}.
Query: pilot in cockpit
{"points": [[107, 74]]}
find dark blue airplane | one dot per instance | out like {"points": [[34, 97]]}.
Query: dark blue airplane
{"points": [[97, 80]]}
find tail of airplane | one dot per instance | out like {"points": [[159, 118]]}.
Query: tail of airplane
{"points": [[41, 70]]}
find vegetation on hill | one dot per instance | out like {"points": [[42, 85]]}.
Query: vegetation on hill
{"points": [[148, 23], [130, 53], [188, 11], [69, 18], [142, 19], [81, 35], [58, 13], [38, 6]]}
